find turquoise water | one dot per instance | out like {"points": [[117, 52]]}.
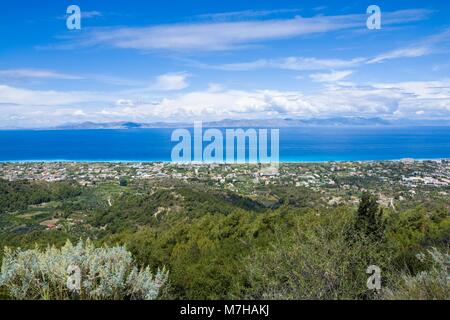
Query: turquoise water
{"points": [[308, 144]]}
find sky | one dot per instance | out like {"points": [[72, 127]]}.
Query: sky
{"points": [[186, 60]]}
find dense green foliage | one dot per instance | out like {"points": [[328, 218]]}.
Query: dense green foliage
{"points": [[221, 244], [369, 217], [19, 195]]}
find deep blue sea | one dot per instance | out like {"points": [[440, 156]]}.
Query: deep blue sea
{"points": [[309, 144]]}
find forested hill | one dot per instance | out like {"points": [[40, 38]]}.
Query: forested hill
{"points": [[274, 241]]}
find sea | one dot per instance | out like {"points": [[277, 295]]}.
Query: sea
{"points": [[306, 144]]}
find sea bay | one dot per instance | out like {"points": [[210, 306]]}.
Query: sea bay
{"points": [[306, 144]]}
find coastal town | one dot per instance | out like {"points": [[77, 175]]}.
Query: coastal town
{"points": [[407, 172], [341, 181], [413, 172]]}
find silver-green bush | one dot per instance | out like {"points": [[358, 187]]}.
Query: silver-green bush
{"points": [[433, 284], [105, 273]]}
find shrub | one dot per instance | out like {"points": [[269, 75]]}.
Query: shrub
{"points": [[316, 261], [426, 285], [123, 182], [105, 273]]}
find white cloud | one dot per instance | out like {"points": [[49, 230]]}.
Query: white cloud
{"points": [[91, 14], [84, 15], [229, 35], [242, 66], [405, 16], [331, 77], [425, 47], [25, 97], [171, 82], [401, 53], [300, 63], [289, 63], [36, 73], [79, 113], [403, 99], [312, 63], [213, 36], [422, 48], [384, 100], [24, 73], [237, 15]]}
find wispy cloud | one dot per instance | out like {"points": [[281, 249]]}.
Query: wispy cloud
{"points": [[331, 77], [425, 47], [401, 53], [91, 14], [406, 16], [28, 97], [85, 15], [41, 74], [301, 63], [213, 36], [36, 73], [246, 14], [289, 63]]}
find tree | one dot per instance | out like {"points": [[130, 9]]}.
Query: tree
{"points": [[369, 217], [314, 260], [123, 182]]}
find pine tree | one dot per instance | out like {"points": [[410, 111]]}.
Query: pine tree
{"points": [[369, 216]]}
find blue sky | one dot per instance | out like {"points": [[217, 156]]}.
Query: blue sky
{"points": [[209, 60]]}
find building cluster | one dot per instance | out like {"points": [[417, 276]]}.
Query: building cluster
{"points": [[343, 175]]}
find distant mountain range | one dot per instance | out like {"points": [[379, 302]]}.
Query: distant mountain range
{"points": [[248, 123], [262, 123]]}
